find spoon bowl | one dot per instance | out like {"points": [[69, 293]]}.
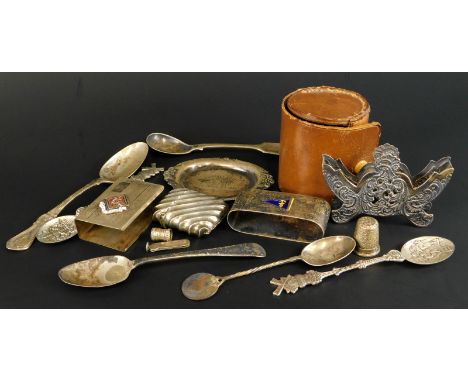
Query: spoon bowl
{"points": [[167, 144], [125, 162], [58, 229], [98, 272], [427, 250], [328, 250], [200, 286]]}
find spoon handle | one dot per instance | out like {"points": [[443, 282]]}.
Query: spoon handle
{"points": [[24, 240], [260, 268], [238, 250], [291, 284], [265, 147]]}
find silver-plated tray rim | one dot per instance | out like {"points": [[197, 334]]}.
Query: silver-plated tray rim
{"points": [[263, 178]]}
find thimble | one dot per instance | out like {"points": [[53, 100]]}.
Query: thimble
{"points": [[161, 234], [366, 234]]}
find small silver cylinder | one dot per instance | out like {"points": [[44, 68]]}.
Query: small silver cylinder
{"points": [[161, 234], [366, 234], [164, 245]]}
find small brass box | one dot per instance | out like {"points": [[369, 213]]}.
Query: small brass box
{"points": [[119, 215]]}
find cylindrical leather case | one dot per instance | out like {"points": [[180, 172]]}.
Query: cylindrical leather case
{"points": [[322, 120]]}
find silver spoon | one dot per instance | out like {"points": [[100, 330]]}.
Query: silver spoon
{"points": [[170, 145], [120, 165], [328, 250], [424, 250], [109, 270]]}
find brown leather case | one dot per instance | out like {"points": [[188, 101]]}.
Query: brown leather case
{"points": [[322, 120]]}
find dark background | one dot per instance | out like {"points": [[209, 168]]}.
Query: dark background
{"points": [[58, 129]]}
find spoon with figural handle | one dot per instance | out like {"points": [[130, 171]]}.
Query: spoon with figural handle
{"points": [[122, 164], [328, 250], [109, 270], [424, 250], [170, 145]]}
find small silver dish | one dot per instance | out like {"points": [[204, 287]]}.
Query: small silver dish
{"points": [[221, 177]]}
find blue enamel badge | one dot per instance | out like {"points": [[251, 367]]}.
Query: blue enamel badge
{"points": [[284, 204]]}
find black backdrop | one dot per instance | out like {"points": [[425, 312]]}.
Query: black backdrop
{"points": [[58, 129]]}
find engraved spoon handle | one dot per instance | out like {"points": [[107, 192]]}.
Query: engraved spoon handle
{"points": [[24, 239], [238, 250], [260, 268], [265, 147], [291, 284]]}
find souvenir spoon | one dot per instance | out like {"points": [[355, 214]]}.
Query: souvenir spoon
{"points": [[328, 250], [170, 145], [424, 250], [120, 165], [109, 270]]}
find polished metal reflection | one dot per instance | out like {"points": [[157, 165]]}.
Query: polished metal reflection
{"points": [[190, 211], [386, 187], [170, 145], [424, 250], [109, 270], [328, 250]]}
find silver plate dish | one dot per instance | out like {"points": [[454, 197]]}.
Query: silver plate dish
{"points": [[221, 177]]}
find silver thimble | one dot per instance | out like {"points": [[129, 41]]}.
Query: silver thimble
{"points": [[161, 234], [366, 234]]}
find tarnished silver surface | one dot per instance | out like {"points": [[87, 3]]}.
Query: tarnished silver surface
{"points": [[424, 250], [56, 230], [386, 187], [109, 270], [170, 145], [221, 177], [190, 211]]}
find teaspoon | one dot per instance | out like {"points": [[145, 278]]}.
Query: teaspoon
{"points": [[109, 270], [170, 145], [328, 250]]}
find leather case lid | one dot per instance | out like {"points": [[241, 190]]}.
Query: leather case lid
{"points": [[328, 105]]}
